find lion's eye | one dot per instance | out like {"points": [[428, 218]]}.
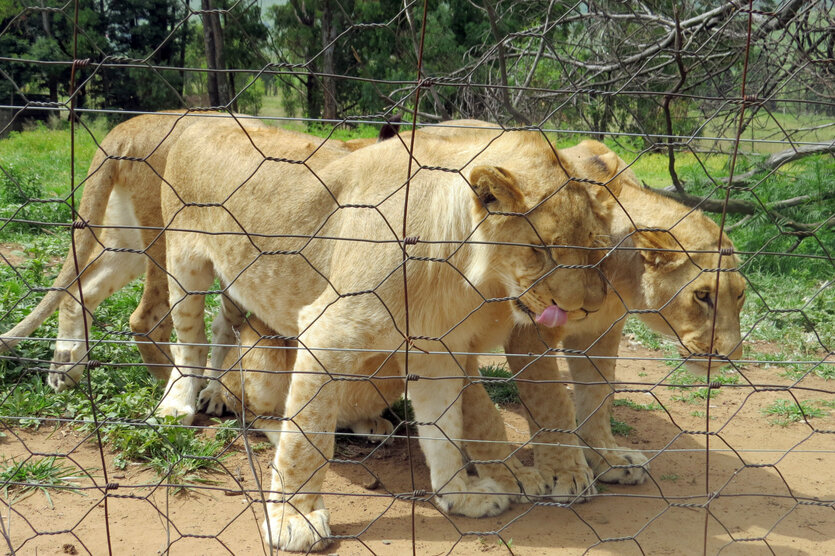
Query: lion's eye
{"points": [[704, 297], [540, 252]]}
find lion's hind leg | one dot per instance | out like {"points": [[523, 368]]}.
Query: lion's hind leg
{"points": [[104, 273], [189, 279]]}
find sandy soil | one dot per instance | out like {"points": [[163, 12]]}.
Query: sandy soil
{"points": [[771, 491]]}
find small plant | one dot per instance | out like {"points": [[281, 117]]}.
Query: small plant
{"points": [[226, 431], [172, 451], [400, 410], [36, 474], [696, 395], [669, 477], [786, 412], [508, 543], [682, 379], [501, 392], [643, 334], [620, 428]]}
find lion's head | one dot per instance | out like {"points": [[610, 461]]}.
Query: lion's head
{"points": [[694, 294], [560, 228], [697, 291]]}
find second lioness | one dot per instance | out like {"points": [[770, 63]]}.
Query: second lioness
{"points": [[320, 257], [675, 279]]}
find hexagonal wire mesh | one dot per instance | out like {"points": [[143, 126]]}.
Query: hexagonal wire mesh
{"points": [[386, 199]]}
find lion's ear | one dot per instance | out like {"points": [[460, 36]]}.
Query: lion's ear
{"points": [[496, 189], [603, 166], [659, 249]]}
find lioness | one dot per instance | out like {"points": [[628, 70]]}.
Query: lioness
{"points": [[121, 212], [121, 239], [678, 283], [323, 259]]}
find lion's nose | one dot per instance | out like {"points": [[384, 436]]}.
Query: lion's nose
{"points": [[596, 291]]}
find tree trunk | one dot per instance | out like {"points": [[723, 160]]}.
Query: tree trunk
{"points": [[223, 88], [209, 47], [328, 66]]}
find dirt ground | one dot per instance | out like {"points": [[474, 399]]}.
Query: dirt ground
{"points": [[772, 490]]}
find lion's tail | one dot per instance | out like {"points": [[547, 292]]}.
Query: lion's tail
{"points": [[100, 182]]}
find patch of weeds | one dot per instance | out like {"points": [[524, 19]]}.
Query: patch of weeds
{"points": [[786, 412], [401, 410], [31, 400], [620, 428], [643, 334], [682, 379], [503, 389], [800, 368], [696, 395], [624, 402], [36, 474], [174, 452], [698, 413], [669, 477], [261, 447], [226, 431], [23, 199]]}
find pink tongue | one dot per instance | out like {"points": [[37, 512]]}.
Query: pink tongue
{"points": [[552, 316]]}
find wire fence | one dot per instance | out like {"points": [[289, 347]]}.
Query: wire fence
{"points": [[482, 277]]}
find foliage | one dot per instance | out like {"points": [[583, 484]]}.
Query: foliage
{"points": [[502, 389], [786, 412], [33, 474]]}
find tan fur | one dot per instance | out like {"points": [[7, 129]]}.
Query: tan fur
{"points": [[668, 283], [120, 206], [258, 377], [297, 285], [661, 278]]}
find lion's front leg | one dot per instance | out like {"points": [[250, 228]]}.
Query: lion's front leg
{"points": [[437, 407], [594, 394], [488, 447], [551, 418], [297, 519]]}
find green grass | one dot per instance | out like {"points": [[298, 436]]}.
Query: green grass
{"points": [[652, 406], [503, 390], [786, 412], [620, 428], [682, 380], [20, 480], [175, 453]]}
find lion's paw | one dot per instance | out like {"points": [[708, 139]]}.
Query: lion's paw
{"points": [[376, 429], [212, 399], [295, 532], [529, 482], [63, 373], [172, 408], [622, 467], [478, 498], [573, 484]]}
